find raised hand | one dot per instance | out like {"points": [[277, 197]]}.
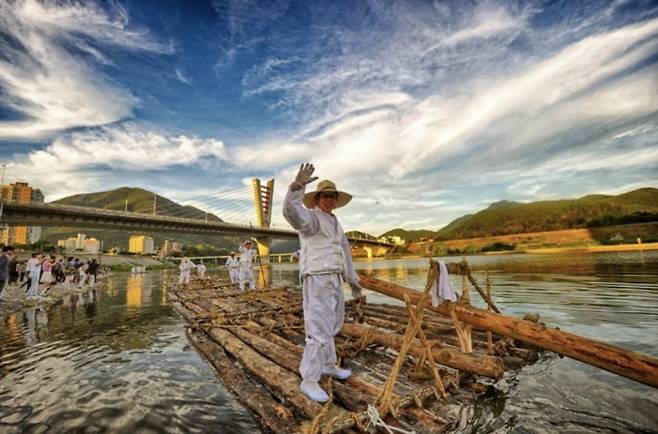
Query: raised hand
{"points": [[304, 176]]}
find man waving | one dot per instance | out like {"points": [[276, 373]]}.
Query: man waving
{"points": [[325, 262]]}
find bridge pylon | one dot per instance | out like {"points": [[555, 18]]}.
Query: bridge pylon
{"points": [[263, 196]]}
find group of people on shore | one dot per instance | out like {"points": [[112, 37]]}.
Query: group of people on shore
{"points": [[45, 271]]}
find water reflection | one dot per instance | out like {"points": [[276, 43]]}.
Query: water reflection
{"points": [[116, 359], [134, 290], [111, 360]]}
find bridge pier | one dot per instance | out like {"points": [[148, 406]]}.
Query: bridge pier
{"points": [[263, 245], [368, 251], [263, 202]]}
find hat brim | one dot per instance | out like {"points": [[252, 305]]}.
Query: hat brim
{"points": [[342, 199]]}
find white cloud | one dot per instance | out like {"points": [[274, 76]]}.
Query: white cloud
{"points": [[82, 161], [44, 78]]}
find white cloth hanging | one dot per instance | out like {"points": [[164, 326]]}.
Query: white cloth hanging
{"points": [[441, 288]]}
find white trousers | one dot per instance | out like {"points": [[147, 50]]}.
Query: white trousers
{"points": [[83, 279], [184, 277], [234, 274], [324, 313], [33, 290], [247, 275]]}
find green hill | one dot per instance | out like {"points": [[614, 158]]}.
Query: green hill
{"points": [[135, 200], [140, 200], [503, 218]]}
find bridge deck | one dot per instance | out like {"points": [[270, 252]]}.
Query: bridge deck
{"points": [[42, 214]]}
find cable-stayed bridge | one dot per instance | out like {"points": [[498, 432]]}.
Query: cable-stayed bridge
{"points": [[168, 216]]}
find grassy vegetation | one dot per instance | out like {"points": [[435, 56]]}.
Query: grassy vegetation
{"points": [[568, 238], [504, 218]]}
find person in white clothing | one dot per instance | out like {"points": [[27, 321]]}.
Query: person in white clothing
{"points": [[247, 255], [201, 270], [185, 268], [33, 268], [83, 275], [325, 262], [233, 268]]}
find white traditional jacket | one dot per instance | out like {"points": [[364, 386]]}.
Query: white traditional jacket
{"points": [[247, 256], [324, 247]]}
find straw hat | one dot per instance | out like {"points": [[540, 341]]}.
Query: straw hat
{"points": [[326, 186]]}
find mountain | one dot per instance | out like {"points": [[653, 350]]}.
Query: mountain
{"points": [[141, 201], [135, 200], [503, 218]]}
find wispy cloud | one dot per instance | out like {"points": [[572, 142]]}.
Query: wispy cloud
{"points": [[423, 111], [381, 108], [95, 158], [48, 73]]}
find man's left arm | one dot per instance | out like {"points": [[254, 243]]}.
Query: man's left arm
{"points": [[350, 274]]}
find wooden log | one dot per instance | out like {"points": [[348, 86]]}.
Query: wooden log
{"points": [[398, 327], [351, 399], [279, 379], [488, 366], [433, 322], [444, 333], [272, 414], [630, 364], [490, 347]]}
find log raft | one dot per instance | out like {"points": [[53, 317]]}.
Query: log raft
{"points": [[255, 341]]}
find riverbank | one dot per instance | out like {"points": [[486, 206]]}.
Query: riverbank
{"points": [[14, 299], [593, 249]]}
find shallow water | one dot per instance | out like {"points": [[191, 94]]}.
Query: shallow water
{"points": [[117, 360]]}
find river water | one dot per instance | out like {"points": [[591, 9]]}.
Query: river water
{"points": [[117, 360]]}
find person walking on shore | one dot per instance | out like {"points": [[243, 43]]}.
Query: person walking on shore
{"points": [[34, 274], [82, 273], [13, 266], [324, 263], [233, 268], [92, 272], [247, 255], [6, 257], [201, 270], [185, 267], [47, 268]]}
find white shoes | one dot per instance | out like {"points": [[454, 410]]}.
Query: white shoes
{"points": [[313, 390], [336, 372]]}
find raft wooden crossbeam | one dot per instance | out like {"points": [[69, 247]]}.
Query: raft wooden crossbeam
{"points": [[630, 364]]}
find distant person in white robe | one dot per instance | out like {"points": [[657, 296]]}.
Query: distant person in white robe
{"points": [[185, 268], [201, 270], [247, 255], [233, 265]]}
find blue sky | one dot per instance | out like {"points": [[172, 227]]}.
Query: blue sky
{"points": [[424, 111]]}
